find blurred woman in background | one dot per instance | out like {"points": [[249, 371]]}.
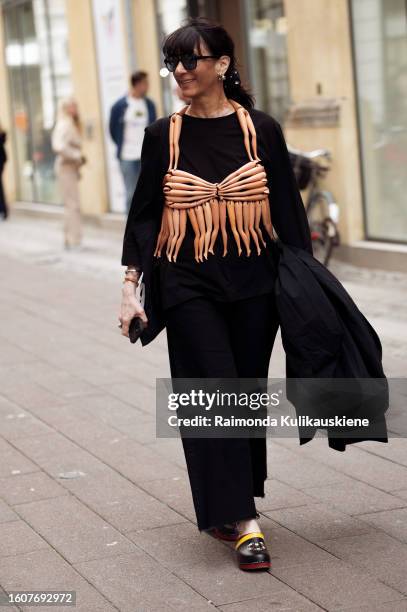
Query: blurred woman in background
{"points": [[67, 144], [3, 159]]}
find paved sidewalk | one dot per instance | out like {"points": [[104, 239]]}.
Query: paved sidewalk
{"points": [[91, 501]]}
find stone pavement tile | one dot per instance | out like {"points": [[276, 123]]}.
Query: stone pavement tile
{"points": [[377, 553], [7, 406], [288, 549], [122, 417], [78, 425], [362, 465], [57, 380], [13, 462], [143, 430], [335, 584], [175, 492], [29, 395], [316, 522], [395, 450], [178, 546], [96, 352], [393, 522], [137, 583], [42, 339], [136, 462], [16, 423], [55, 454], [99, 484], [138, 511], [299, 472], [45, 569], [398, 605], [280, 495], [183, 546], [402, 493], [17, 538], [144, 373], [73, 530], [86, 370], [355, 497], [394, 366], [171, 449], [11, 354], [29, 487], [6, 513], [220, 580], [135, 394], [285, 600]]}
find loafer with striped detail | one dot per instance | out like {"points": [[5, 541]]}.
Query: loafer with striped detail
{"points": [[252, 553], [230, 533]]}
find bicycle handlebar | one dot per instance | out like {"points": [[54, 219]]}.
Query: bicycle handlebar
{"points": [[311, 154]]}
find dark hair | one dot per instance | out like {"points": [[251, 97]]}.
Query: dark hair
{"points": [[138, 76], [184, 39]]}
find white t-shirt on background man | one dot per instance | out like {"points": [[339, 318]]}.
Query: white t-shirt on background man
{"points": [[135, 121]]}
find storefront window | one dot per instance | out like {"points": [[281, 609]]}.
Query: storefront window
{"points": [[39, 74], [268, 55], [380, 53]]}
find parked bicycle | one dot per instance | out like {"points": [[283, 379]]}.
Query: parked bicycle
{"points": [[310, 168]]}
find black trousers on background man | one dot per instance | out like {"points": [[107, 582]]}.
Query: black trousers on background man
{"points": [[206, 339], [3, 206]]}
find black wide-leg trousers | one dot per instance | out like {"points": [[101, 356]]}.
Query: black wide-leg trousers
{"points": [[206, 339]]}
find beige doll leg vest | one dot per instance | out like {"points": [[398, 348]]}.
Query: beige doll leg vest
{"points": [[242, 198]]}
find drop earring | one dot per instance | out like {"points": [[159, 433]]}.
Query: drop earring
{"points": [[221, 76]]}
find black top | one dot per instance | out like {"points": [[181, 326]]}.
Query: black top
{"points": [[210, 148]]}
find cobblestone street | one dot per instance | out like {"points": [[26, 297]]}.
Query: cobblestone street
{"points": [[92, 501]]}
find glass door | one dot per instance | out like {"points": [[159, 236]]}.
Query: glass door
{"points": [[379, 30]]}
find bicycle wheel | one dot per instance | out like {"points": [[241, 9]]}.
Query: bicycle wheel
{"points": [[324, 232]]}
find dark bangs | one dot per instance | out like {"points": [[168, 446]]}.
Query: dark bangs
{"points": [[198, 31], [181, 42]]}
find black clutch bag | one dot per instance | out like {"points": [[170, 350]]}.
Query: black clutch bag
{"points": [[136, 328]]}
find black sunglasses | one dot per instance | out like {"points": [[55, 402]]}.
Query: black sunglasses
{"points": [[188, 61]]}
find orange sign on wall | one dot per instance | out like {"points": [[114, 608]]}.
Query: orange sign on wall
{"points": [[21, 120]]}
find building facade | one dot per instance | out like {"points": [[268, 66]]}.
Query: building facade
{"points": [[351, 53]]}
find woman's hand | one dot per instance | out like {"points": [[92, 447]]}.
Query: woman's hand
{"points": [[130, 308]]}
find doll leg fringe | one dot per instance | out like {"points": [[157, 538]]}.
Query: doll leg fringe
{"points": [[214, 204], [222, 216], [210, 217], [239, 211], [232, 221], [265, 215]]}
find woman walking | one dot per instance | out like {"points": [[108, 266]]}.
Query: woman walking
{"points": [[67, 144], [215, 179], [3, 158]]}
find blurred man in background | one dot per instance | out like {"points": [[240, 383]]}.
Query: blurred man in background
{"points": [[129, 116]]}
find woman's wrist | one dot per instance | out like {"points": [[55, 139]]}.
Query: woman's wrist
{"points": [[131, 276]]}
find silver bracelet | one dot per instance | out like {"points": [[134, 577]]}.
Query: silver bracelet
{"points": [[133, 270]]}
